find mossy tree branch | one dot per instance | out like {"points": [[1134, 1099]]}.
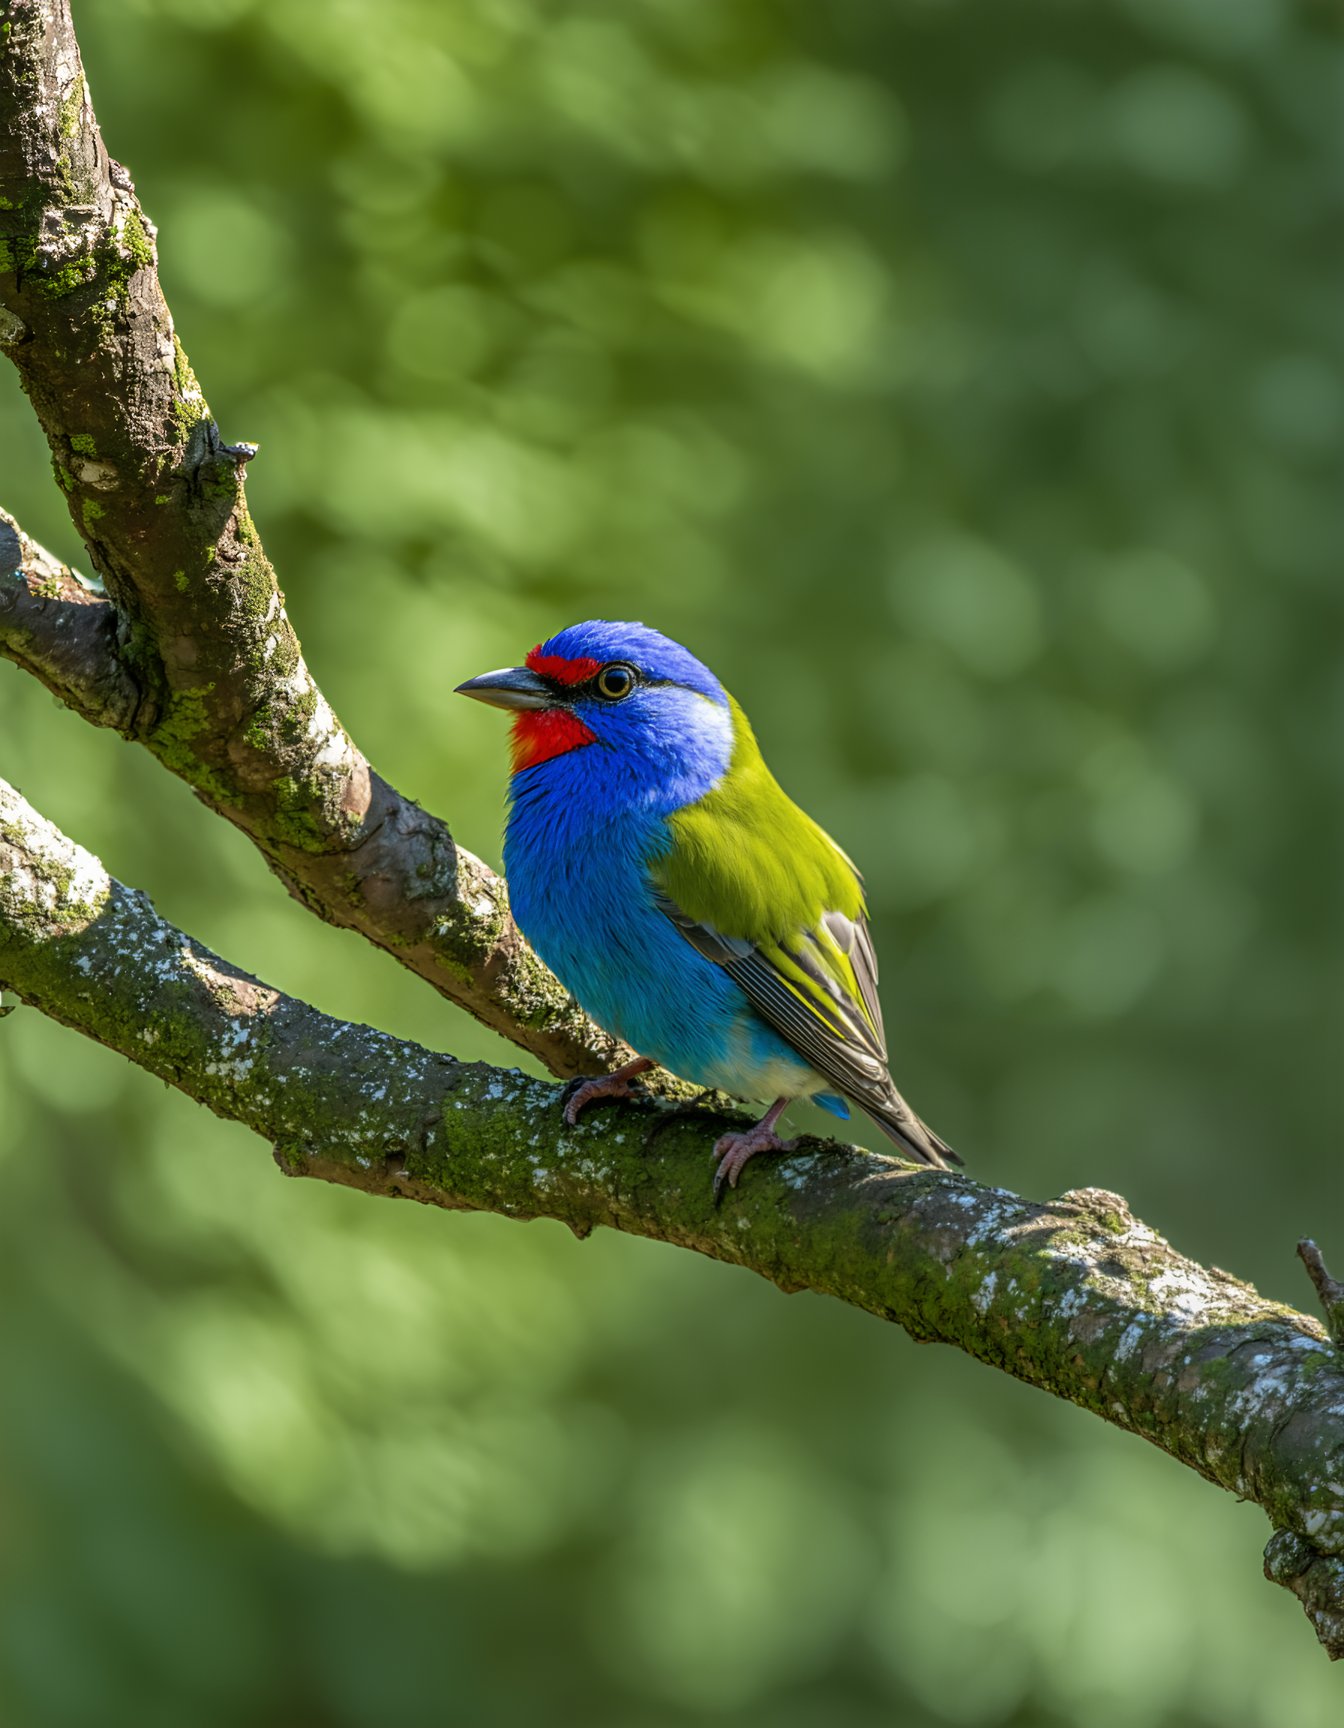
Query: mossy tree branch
{"points": [[62, 629], [1074, 1295], [204, 667]]}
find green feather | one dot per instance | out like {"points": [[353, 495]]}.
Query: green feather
{"points": [[747, 863], [747, 860], [757, 887]]}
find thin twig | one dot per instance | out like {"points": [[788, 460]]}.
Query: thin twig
{"points": [[1330, 1290]]}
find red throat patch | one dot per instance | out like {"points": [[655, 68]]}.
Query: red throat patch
{"points": [[541, 733]]}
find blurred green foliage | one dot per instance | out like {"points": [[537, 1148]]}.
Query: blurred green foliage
{"points": [[959, 379]]}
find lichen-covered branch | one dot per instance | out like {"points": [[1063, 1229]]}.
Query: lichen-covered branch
{"points": [[62, 629], [204, 667], [1074, 1295]]}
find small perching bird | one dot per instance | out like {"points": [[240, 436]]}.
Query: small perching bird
{"points": [[693, 909]]}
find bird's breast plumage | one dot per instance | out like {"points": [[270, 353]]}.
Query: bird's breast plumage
{"points": [[585, 834]]}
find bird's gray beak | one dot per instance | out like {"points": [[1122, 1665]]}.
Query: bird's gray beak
{"points": [[511, 687]]}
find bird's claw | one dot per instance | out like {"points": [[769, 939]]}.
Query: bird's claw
{"points": [[733, 1152], [582, 1093]]}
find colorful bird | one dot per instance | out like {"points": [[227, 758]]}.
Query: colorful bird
{"points": [[693, 909]]}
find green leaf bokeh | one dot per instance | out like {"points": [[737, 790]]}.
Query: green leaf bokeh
{"points": [[961, 380]]}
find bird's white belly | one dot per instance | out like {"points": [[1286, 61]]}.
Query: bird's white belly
{"points": [[750, 1068]]}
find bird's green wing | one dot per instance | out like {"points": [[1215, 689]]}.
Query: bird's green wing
{"points": [[801, 986], [756, 886]]}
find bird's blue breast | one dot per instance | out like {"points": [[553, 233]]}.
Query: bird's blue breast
{"points": [[577, 851]]}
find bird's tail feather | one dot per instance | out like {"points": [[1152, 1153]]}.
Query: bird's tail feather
{"points": [[899, 1123]]}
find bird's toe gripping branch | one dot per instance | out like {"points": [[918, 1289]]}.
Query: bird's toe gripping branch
{"points": [[582, 1093], [733, 1152]]}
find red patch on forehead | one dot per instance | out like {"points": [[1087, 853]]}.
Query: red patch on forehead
{"points": [[563, 671], [540, 733]]}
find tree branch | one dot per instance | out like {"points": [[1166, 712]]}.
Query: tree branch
{"points": [[194, 623], [1074, 1295], [62, 629]]}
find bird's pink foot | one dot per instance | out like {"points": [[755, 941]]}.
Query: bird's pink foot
{"points": [[733, 1152], [617, 1085]]}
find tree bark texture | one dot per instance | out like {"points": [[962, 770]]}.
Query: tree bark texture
{"points": [[183, 645]]}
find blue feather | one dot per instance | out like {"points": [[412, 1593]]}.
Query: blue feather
{"points": [[836, 1105]]}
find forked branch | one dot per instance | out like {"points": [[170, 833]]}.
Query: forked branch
{"points": [[203, 665]]}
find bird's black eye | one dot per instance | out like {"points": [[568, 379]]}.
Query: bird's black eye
{"points": [[615, 681]]}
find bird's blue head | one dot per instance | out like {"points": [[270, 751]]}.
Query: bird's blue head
{"points": [[648, 718]]}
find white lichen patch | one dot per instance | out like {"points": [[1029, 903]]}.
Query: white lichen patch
{"points": [[996, 1218], [1187, 1293], [235, 1070], [332, 749], [1263, 1395], [46, 879], [1300, 1341], [12, 329], [1137, 1235], [981, 1298], [1324, 1526], [1070, 1303]]}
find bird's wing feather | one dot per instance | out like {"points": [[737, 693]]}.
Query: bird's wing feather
{"points": [[856, 939], [808, 989], [756, 886]]}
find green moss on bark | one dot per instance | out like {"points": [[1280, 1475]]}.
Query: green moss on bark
{"points": [[186, 719]]}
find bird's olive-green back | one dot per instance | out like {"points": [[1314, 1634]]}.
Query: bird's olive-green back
{"points": [[746, 861]]}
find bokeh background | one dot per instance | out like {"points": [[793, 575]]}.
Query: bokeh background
{"points": [[959, 379]]}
